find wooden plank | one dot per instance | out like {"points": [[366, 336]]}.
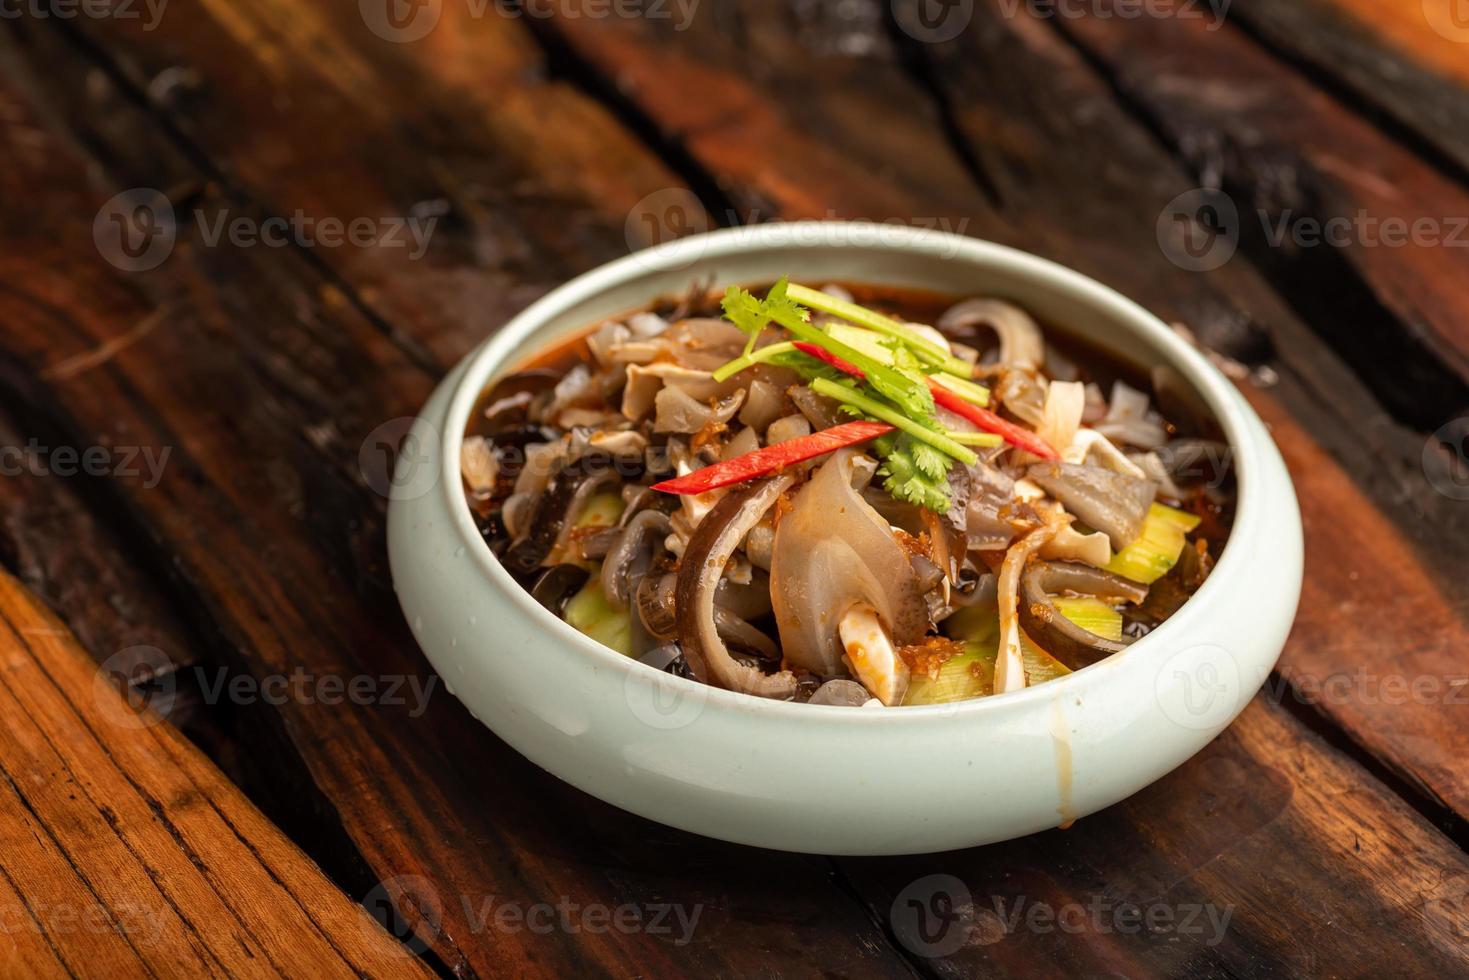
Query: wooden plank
{"points": [[521, 181], [1405, 60], [268, 516], [62, 549], [1292, 159], [127, 853]]}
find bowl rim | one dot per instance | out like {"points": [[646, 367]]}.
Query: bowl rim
{"points": [[684, 255]]}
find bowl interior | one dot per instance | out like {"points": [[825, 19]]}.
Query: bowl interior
{"points": [[882, 255]]}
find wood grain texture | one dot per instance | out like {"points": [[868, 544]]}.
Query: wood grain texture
{"points": [[1230, 867], [1287, 153], [126, 853], [1409, 62], [268, 469], [851, 133]]}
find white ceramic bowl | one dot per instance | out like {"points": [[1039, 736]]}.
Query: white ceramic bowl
{"points": [[825, 779]]}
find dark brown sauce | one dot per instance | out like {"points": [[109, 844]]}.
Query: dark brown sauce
{"points": [[1093, 363]]}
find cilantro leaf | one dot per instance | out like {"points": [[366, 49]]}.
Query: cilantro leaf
{"points": [[929, 461], [923, 483]]}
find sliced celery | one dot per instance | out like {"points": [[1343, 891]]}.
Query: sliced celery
{"points": [[986, 440], [589, 612], [869, 342], [893, 417], [969, 675], [927, 350], [602, 510], [1156, 550], [1092, 615], [964, 388]]}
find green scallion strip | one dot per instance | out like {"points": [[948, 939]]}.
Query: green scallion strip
{"points": [[749, 360], [877, 410], [964, 388], [926, 349], [985, 440]]}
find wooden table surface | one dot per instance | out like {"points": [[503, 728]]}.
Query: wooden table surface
{"points": [[196, 421]]}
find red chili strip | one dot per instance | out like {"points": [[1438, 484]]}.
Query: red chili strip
{"points": [[990, 422], [771, 459], [1017, 436]]}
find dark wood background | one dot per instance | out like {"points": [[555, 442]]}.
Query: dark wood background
{"points": [[1328, 824]]}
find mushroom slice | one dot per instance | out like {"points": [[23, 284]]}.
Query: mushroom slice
{"points": [[870, 654]]}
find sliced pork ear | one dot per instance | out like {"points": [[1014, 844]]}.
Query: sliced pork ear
{"points": [[1021, 343], [832, 551], [1113, 503], [699, 574]]}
